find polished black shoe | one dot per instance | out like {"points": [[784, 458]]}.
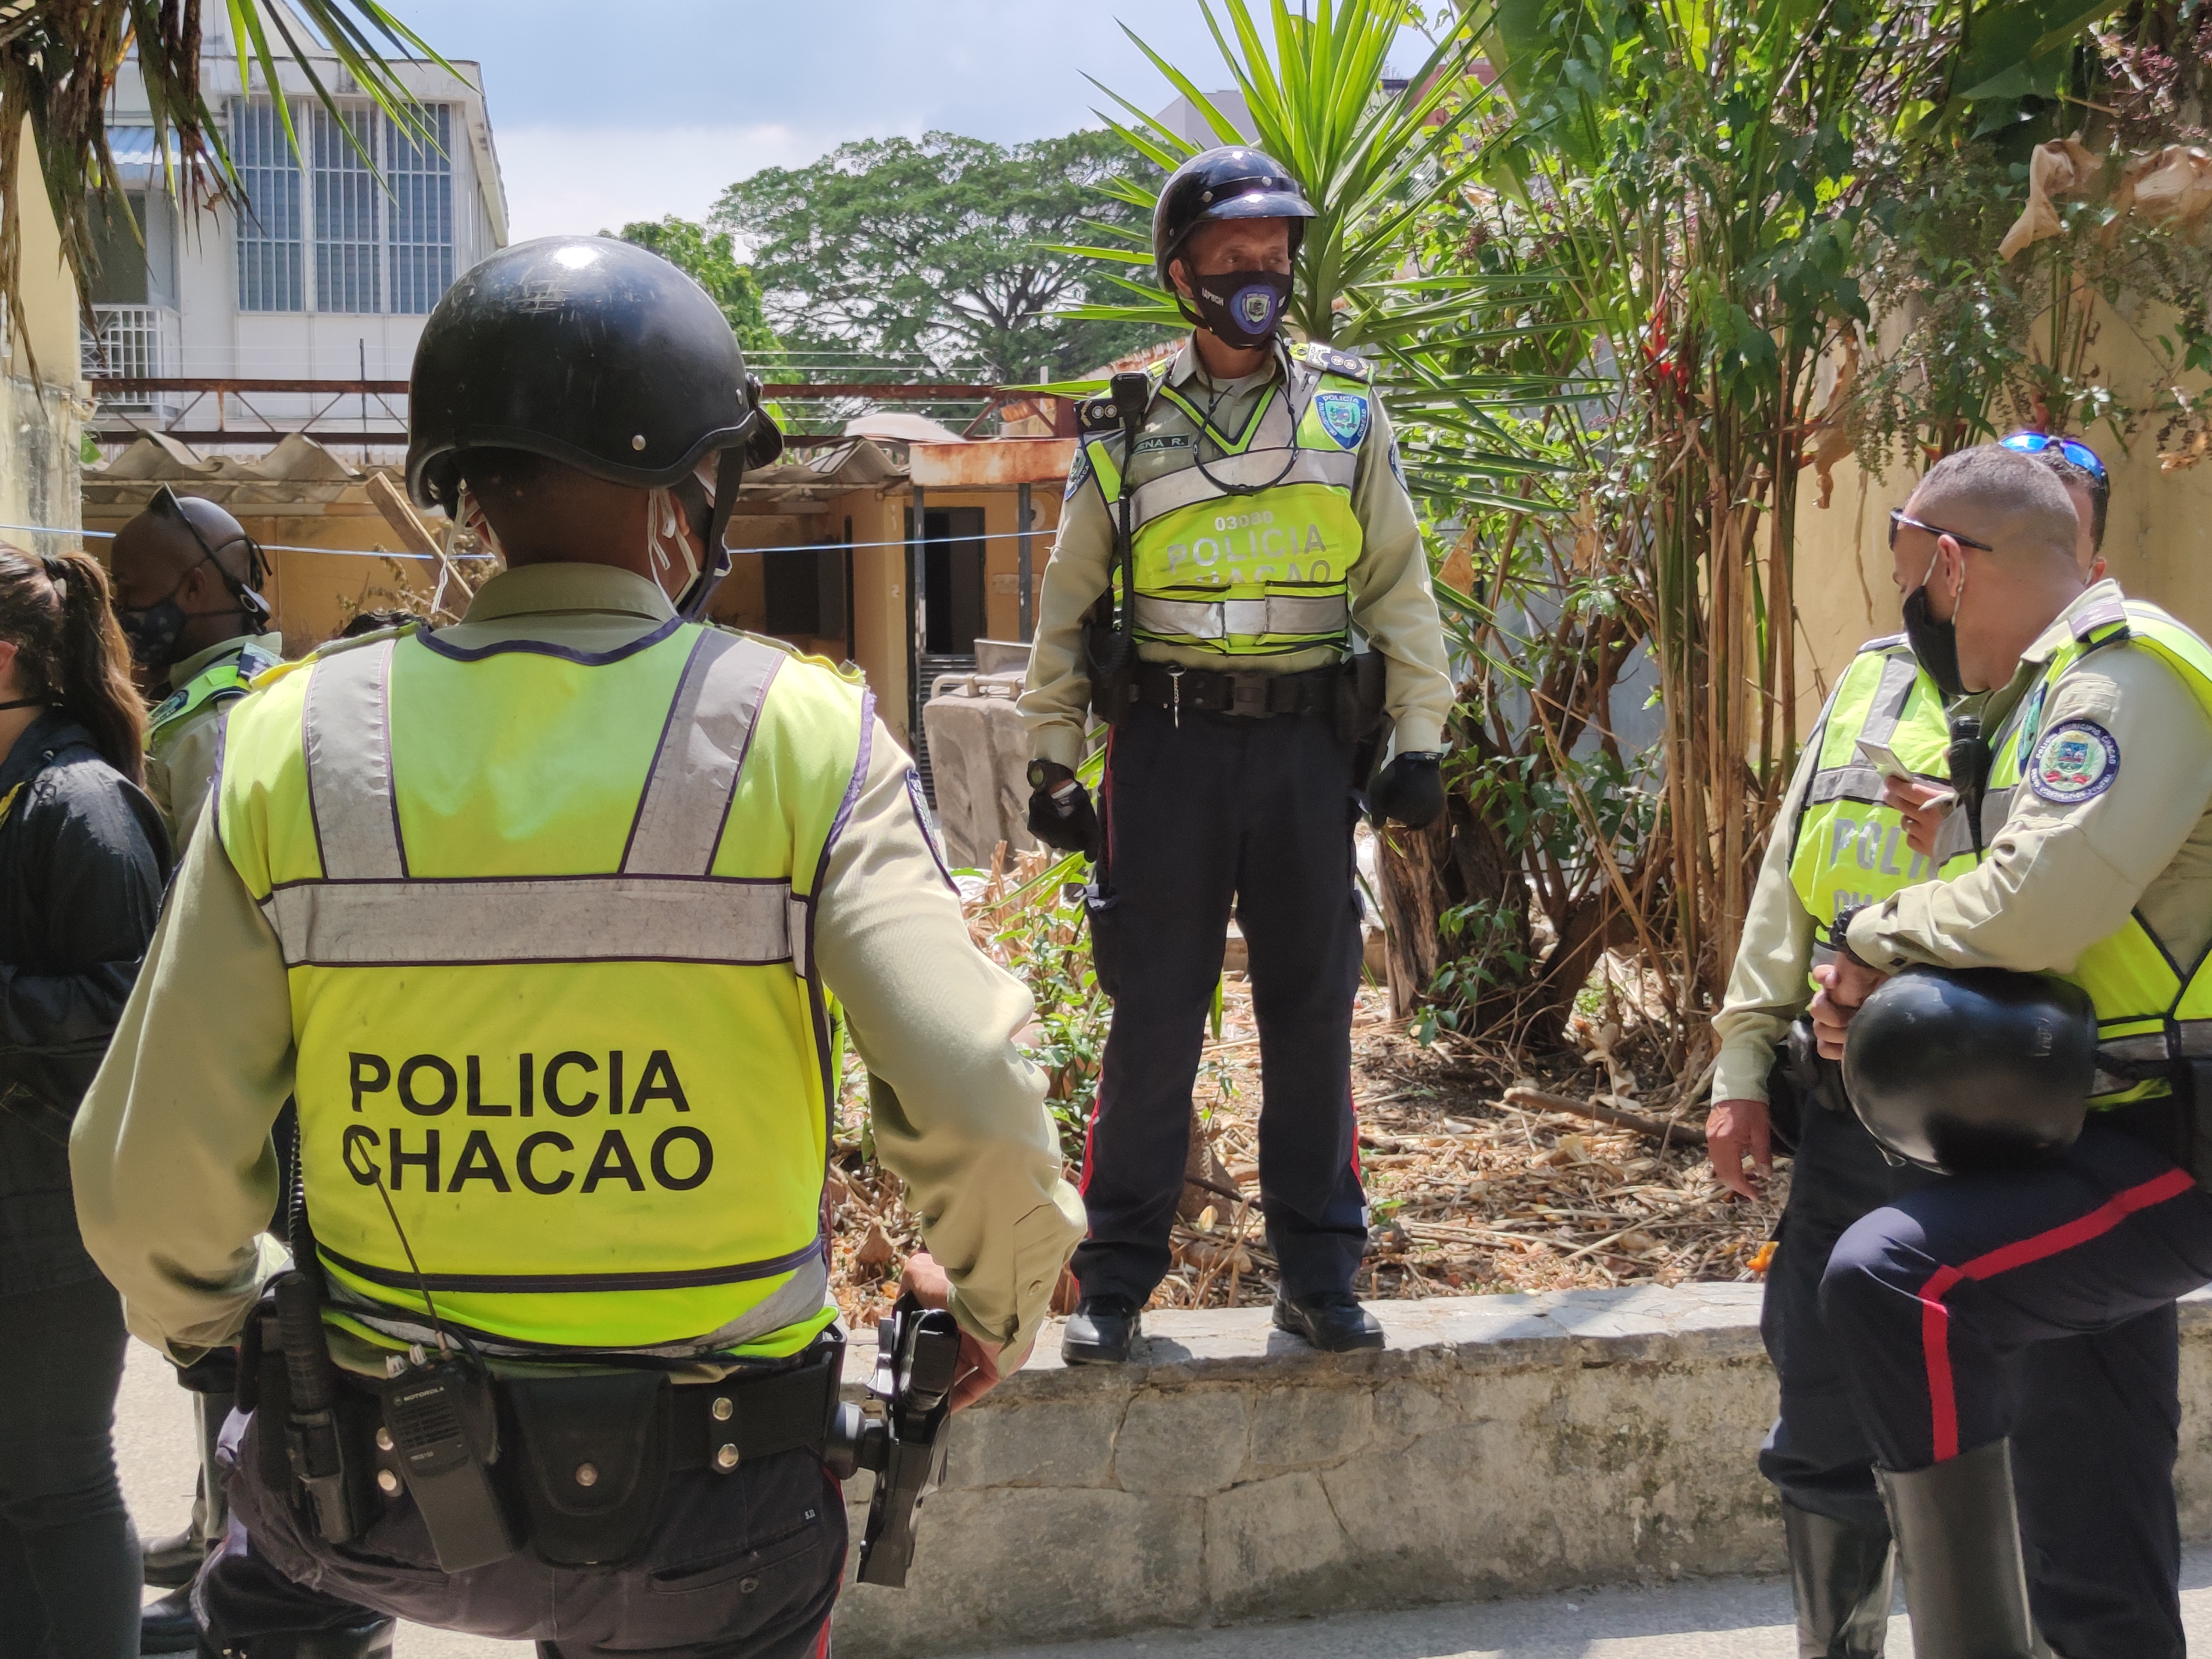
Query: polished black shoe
{"points": [[1100, 1331], [173, 1560], [167, 1625], [1332, 1320], [367, 1638]]}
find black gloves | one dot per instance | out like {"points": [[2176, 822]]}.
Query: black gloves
{"points": [[1061, 813], [1409, 791]]}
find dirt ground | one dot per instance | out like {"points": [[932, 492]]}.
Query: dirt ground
{"points": [[1470, 1194]]}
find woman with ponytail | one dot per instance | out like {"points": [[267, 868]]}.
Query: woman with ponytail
{"points": [[82, 858]]}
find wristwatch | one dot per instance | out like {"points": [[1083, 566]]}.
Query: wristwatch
{"points": [[1839, 932]]}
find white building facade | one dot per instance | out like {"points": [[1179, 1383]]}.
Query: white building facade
{"points": [[325, 272]]}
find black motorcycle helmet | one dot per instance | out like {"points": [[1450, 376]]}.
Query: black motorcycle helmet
{"points": [[1974, 1069], [594, 353], [1232, 182]]}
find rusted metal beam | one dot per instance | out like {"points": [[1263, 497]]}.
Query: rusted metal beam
{"points": [[117, 385]]}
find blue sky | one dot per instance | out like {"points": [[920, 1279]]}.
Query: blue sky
{"points": [[605, 113]]}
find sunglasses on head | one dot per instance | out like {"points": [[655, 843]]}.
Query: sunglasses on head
{"points": [[2034, 443], [1897, 517]]}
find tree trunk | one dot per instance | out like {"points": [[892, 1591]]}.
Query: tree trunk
{"points": [[1409, 862]]}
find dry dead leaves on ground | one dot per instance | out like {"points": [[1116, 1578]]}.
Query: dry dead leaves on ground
{"points": [[1470, 1193]]}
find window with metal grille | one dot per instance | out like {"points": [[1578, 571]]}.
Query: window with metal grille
{"points": [[271, 266], [347, 250], [420, 209]]}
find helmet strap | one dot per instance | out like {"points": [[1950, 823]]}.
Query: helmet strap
{"points": [[729, 474]]}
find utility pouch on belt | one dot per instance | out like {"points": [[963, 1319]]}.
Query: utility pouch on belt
{"points": [[593, 1462], [318, 1446], [1359, 697], [1110, 685]]}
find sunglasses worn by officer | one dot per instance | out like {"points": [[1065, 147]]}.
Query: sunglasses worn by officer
{"points": [[1897, 517], [2034, 443]]}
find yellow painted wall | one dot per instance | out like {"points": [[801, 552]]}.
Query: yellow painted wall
{"points": [[2158, 535], [41, 397]]}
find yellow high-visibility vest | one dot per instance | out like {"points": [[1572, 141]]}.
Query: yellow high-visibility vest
{"points": [[1847, 846], [1261, 574], [2151, 1013], [546, 918]]}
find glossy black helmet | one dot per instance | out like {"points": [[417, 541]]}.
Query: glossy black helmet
{"points": [[590, 352], [1233, 182], [1971, 1069]]}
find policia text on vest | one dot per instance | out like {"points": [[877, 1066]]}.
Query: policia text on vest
{"points": [[677, 1158]]}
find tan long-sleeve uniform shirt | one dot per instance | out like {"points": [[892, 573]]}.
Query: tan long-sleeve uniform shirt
{"points": [[1388, 590], [2058, 877], [171, 1157], [181, 759], [1768, 986]]}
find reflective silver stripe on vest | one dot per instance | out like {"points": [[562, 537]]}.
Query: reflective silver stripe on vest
{"points": [[347, 730], [2134, 1059], [452, 923], [1858, 783], [1899, 676], [1216, 619], [1255, 468], [805, 1295], [695, 771]]}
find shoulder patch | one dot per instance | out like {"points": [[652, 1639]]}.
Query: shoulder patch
{"points": [[168, 706], [1397, 466], [1329, 361], [1343, 416], [2074, 762], [1076, 473], [927, 820]]}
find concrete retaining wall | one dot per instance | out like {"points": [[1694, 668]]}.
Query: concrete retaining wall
{"points": [[1499, 1444]]}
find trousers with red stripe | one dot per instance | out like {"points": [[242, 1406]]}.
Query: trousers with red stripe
{"points": [[1203, 815], [2039, 1306]]}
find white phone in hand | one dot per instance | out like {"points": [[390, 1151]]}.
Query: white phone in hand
{"points": [[1884, 761]]}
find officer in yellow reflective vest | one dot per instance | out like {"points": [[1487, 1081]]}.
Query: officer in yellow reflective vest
{"points": [[553, 920], [1270, 530], [1847, 836], [2016, 1332], [187, 591]]}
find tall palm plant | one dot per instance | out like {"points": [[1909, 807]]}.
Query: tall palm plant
{"points": [[58, 61]]}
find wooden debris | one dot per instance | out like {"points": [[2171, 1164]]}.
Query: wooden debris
{"points": [[1682, 1134]]}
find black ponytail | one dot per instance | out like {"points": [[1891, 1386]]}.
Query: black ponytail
{"points": [[69, 651]]}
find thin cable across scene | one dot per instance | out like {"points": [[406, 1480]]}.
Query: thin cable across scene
{"points": [[379, 553]]}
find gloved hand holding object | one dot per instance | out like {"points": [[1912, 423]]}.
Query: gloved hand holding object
{"points": [[1060, 812], [1410, 791]]}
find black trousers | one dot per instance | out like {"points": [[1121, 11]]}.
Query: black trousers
{"points": [[1215, 814], [743, 1566], [69, 1560], [1816, 1455], [2040, 1305]]}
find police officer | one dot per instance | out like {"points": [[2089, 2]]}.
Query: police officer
{"points": [[551, 920], [187, 592], [2092, 825], [1847, 836], [187, 585], [1270, 523]]}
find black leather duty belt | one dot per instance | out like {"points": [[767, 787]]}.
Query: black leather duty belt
{"points": [[720, 1425], [1247, 696]]}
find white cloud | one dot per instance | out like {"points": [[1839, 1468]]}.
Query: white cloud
{"points": [[565, 180]]}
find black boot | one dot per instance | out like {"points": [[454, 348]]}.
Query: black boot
{"points": [[367, 1638], [1100, 1331], [167, 1625], [1839, 1578], [172, 1561], [1333, 1320], [1958, 1541]]}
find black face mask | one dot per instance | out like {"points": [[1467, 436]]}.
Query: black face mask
{"points": [[152, 632], [1935, 643], [1243, 308]]}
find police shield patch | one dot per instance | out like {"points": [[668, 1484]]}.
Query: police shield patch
{"points": [[2077, 760], [1343, 416], [1076, 473]]}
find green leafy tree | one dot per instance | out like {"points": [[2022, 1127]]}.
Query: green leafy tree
{"points": [[945, 253], [709, 259]]}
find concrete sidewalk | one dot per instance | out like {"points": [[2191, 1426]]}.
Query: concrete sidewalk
{"points": [[1706, 1618]]}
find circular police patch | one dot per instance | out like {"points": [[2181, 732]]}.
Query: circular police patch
{"points": [[2075, 761]]}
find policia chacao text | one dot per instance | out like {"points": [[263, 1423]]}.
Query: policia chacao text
{"points": [[1265, 523], [1847, 835], [2007, 1335], [668, 864]]}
